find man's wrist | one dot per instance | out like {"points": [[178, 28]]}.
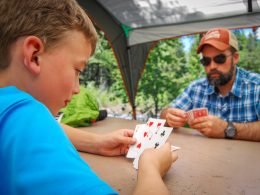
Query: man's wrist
{"points": [[225, 124], [230, 131]]}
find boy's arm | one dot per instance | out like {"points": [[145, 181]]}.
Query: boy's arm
{"points": [[109, 144], [153, 165], [82, 140]]}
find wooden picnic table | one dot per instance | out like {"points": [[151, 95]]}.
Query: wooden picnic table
{"points": [[205, 165]]}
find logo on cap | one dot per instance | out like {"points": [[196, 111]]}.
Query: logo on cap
{"points": [[212, 34]]}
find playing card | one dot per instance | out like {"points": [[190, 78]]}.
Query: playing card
{"points": [[151, 130], [153, 134], [133, 149], [157, 141], [173, 148], [189, 115], [160, 138], [200, 112], [59, 116], [154, 126], [142, 134], [135, 163], [197, 112]]}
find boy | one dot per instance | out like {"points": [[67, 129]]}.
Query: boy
{"points": [[44, 45]]}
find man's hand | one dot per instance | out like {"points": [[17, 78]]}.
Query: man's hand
{"points": [[115, 143], [175, 117], [210, 126]]}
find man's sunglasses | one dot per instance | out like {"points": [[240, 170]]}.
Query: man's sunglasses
{"points": [[218, 59]]}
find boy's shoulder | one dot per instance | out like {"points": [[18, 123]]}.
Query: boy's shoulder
{"points": [[10, 96]]}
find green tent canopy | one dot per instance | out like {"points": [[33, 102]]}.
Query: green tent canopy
{"points": [[133, 27]]}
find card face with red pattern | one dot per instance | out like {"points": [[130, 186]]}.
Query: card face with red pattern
{"points": [[200, 112], [144, 133], [196, 113], [133, 150], [153, 134], [156, 141]]}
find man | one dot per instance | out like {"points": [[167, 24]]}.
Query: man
{"points": [[231, 94]]}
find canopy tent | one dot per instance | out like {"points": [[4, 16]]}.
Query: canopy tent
{"points": [[133, 27]]}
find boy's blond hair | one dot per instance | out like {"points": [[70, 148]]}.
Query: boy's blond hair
{"points": [[46, 19]]}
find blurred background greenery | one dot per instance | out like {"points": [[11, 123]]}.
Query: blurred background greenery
{"points": [[170, 67]]}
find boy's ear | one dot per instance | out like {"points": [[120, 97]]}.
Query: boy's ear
{"points": [[32, 48]]}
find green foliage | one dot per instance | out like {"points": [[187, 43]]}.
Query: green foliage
{"points": [[82, 109], [104, 97], [249, 49], [101, 66], [169, 69], [103, 72], [160, 81], [195, 69]]}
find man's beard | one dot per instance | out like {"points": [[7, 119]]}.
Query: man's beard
{"points": [[223, 78]]}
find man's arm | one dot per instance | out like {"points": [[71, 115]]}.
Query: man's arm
{"points": [[248, 131], [212, 126]]}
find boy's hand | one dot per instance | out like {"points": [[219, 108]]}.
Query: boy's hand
{"points": [[157, 160], [115, 143]]}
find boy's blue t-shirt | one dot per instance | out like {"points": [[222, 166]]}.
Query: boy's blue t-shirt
{"points": [[36, 157]]}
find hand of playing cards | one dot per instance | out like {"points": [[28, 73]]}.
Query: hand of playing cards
{"points": [[153, 134], [196, 113]]}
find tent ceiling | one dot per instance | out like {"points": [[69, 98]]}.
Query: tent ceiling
{"points": [[133, 27], [146, 13], [150, 20], [143, 35]]}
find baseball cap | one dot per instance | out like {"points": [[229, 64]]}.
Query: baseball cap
{"points": [[220, 38]]}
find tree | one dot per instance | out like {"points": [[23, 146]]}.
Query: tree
{"points": [[161, 78], [249, 48], [103, 71], [100, 66]]}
